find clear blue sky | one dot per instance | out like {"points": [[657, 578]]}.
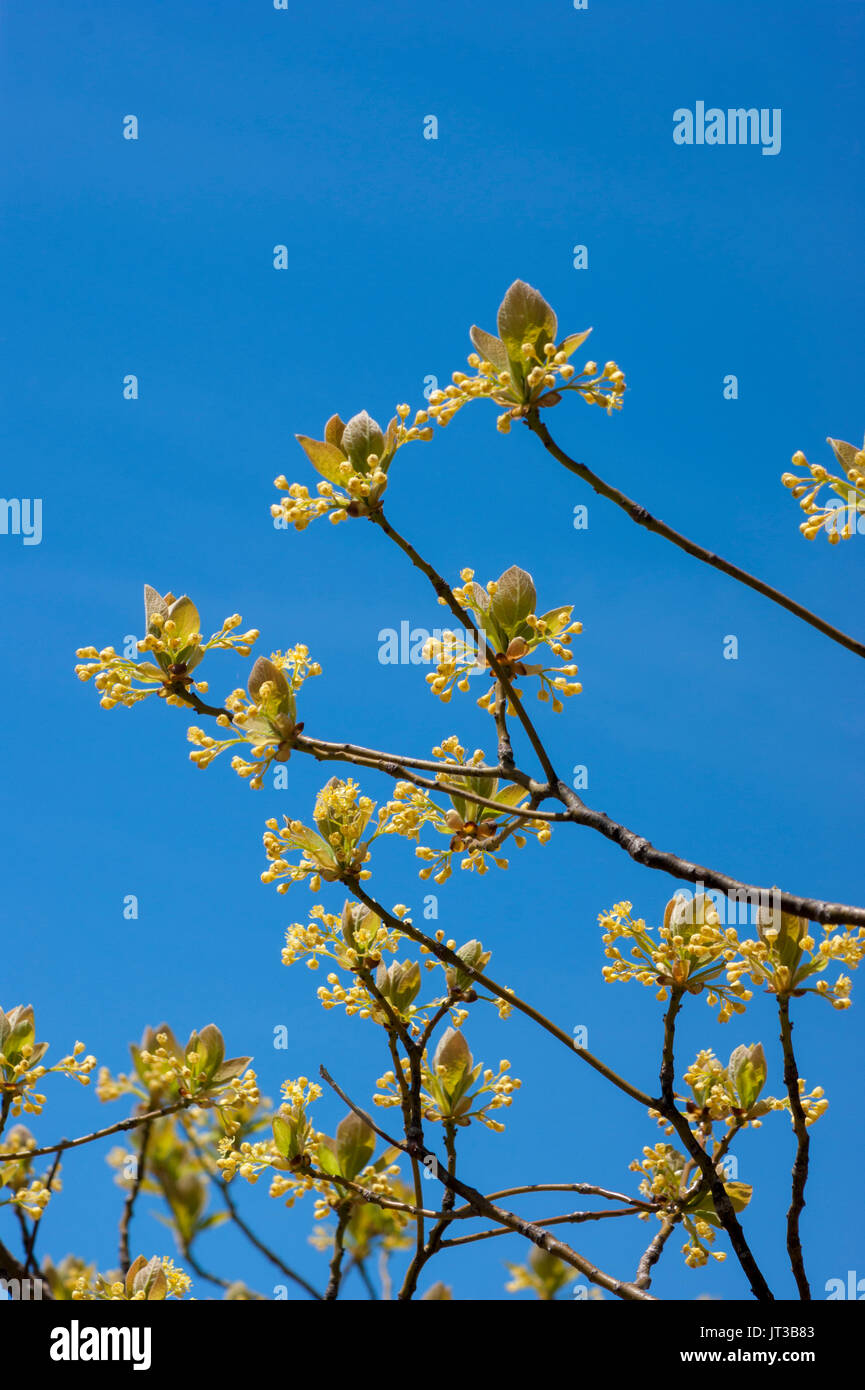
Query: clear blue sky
{"points": [[154, 257]]}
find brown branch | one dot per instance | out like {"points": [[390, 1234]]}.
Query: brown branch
{"points": [[438, 949], [569, 1218], [11, 1268], [333, 1283], [444, 592], [543, 1239], [30, 1263], [643, 852], [426, 1251], [699, 552], [131, 1197], [231, 1207], [803, 1145], [653, 1252], [583, 1189], [666, 1107], [132, 1123]]}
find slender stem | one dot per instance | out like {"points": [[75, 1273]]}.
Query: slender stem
{"points": [[360, 1265], [668, 1064], [30, 1263], [641, 850], [438, 949], [231, 1207], [203, 1273], [131, 1197], [534, 1233], [131, 1123], [434, 1244], [803, 1145], [666, 1106], [660, 528], [444, 592], [583, 1189], [333, 1283], [653, 1252], [11, 1268], [570, 1218]]}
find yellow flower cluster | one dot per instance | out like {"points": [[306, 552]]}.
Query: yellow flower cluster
{"points": [[173, 639], [454, 1087], [730, 1093], [354, 460], [785, 955], [166, 1071], [332, 851], [548, 374], [147, 1281], [474, 831], [505, 618], [33, 1199], [666, 1174], [839, 522], [694, 951], [355, 935], [524, 369], [21, 1068], [266, 717], [691, 952]]}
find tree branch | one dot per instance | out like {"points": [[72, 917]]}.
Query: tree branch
{"points": [[660, 528], [803, 1145]]}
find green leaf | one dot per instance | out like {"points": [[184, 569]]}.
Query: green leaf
{"points": [[153, 603], [570, 344], [229, 1070], [845, 453], [324, 457], [333, 431], [515, 598], [22, 1029], [557, 620], [355, 1141], [747, 1071], [492, 349], [210, 1047], [362, 437], [326, 1157], [511, 795], [525, 317], [704, 1205], [452, 1060], [311, 843], [285, 1135], [184, 614], [264, 671]]}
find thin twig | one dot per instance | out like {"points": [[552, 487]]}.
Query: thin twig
{"points": [[333, 1283], [30, 1263], [653, 1252], [660, 528], [132, 1123], [569, 1218], [620, 1288], [437, 948], [230, 1205], [803, 1145], [131, 1196]]}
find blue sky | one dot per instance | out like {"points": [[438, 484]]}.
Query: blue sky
{"points": [[155, 257]]}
